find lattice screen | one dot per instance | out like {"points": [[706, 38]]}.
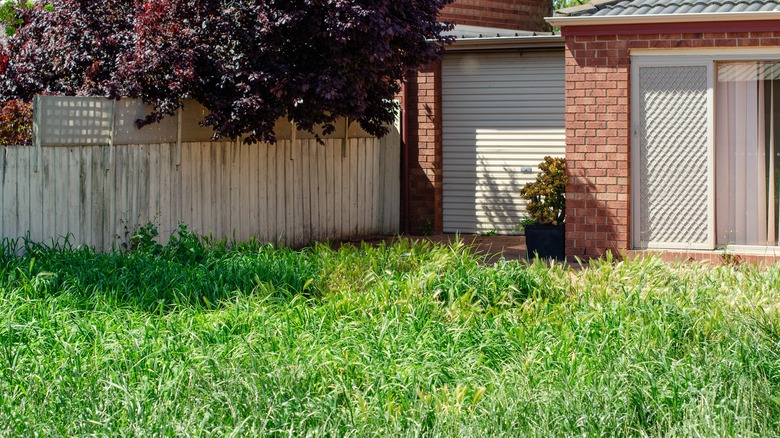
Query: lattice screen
{"points": [[85, 121], [673, 155], [71, 121]]}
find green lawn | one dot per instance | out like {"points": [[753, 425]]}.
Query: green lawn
{"points": [[404, 339]]}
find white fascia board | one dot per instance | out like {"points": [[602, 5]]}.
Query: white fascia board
{"points": [[662, 18], [501, 43], [466, 31]]}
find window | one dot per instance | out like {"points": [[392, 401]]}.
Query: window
{"points": [[747, 161], [705, 145]]}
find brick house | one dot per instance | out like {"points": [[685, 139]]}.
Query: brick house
{"points": [[672, 122], [447, 184], [503, 14]]}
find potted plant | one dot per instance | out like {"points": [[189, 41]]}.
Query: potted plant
{"points": [[544, 226]]}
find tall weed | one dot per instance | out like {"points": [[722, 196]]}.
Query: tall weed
{"points": [[407, 338]]}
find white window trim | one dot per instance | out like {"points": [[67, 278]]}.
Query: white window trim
{"points": [[713, 54], [751, 249]]}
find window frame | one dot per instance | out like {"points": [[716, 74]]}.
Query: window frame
{"points": [[709, 57]]}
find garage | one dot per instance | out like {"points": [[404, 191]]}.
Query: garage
{"points": [[502, 113]]}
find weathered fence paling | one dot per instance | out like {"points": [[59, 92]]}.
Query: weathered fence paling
{"points": [[293, 192]]}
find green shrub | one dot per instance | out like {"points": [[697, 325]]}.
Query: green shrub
{"points": [[547, 195]]}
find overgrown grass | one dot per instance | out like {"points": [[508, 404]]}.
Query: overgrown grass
{"points": [[400, 339]]}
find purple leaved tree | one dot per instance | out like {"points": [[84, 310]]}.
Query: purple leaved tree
{"points": [[67, 47], [249, 62]]}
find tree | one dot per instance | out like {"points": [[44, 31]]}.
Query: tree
{"points": [[249, 62], [560, 4], [8, 17], [70, 47], [15, 115], [15, 123]]}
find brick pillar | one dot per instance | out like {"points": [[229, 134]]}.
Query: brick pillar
{"points": [[597, 145], [425, 150]]}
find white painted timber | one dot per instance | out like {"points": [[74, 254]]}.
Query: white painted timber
{"points": [[95, 178], [502, 112], [287, 192]]}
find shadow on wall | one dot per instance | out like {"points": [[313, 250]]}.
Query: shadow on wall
{"points": [[484, 170], [506, 209], [485, 196], [421, 193], [592, 228], [597, 148]]}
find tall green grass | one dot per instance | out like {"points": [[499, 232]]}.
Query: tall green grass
{"points": [[399, 339]]}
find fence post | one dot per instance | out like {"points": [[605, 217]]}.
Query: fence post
{"points": [[36, 132], [346, 138], [177, 152], [112, 111]]}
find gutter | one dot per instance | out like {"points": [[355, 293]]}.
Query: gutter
{"points": [[601, 20], [503, 43]]}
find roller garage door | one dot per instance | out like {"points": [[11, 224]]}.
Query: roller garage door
{"points": [[502, 112]]}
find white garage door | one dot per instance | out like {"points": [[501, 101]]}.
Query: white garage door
{"points": [[502, 114]]}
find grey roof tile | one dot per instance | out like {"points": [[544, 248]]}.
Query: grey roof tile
{"points": [[598, 8]]}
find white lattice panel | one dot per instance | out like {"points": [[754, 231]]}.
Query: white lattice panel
{"points": [[87, 121], [673, 155], [66, 120]]}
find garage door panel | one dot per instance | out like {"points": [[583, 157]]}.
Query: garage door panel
{"points": [[502, 112], [510, 107], [510, 156], [504, 203], [509, 191], [499, 98]]}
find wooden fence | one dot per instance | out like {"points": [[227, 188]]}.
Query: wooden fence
{"points": [[294, 192]]}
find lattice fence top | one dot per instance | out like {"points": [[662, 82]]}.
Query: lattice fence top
{"points": [[84, 121], [65, 121]]}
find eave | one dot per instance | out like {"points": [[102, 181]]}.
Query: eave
{"points": [[507, 43], [661, 19]]}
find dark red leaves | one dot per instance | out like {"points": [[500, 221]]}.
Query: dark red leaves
{"points": [[15, 123], [249, 62]]}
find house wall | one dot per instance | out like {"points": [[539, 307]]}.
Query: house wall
{"points": [[422, 191], [597, 119], [425, 152], [505, 14]]}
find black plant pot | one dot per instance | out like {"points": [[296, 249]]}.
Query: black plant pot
{"points": [[548, 241]]}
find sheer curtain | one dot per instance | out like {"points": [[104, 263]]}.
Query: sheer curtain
{"points": [[746, 176]]}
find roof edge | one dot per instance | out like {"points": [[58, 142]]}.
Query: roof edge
{"points": [[563, 21], [592, 5], [503, 43], [464, 31]]}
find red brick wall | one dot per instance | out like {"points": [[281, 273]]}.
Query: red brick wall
{"points": [[425, 152], [597, 124], [424, 133], [507, 14]]}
